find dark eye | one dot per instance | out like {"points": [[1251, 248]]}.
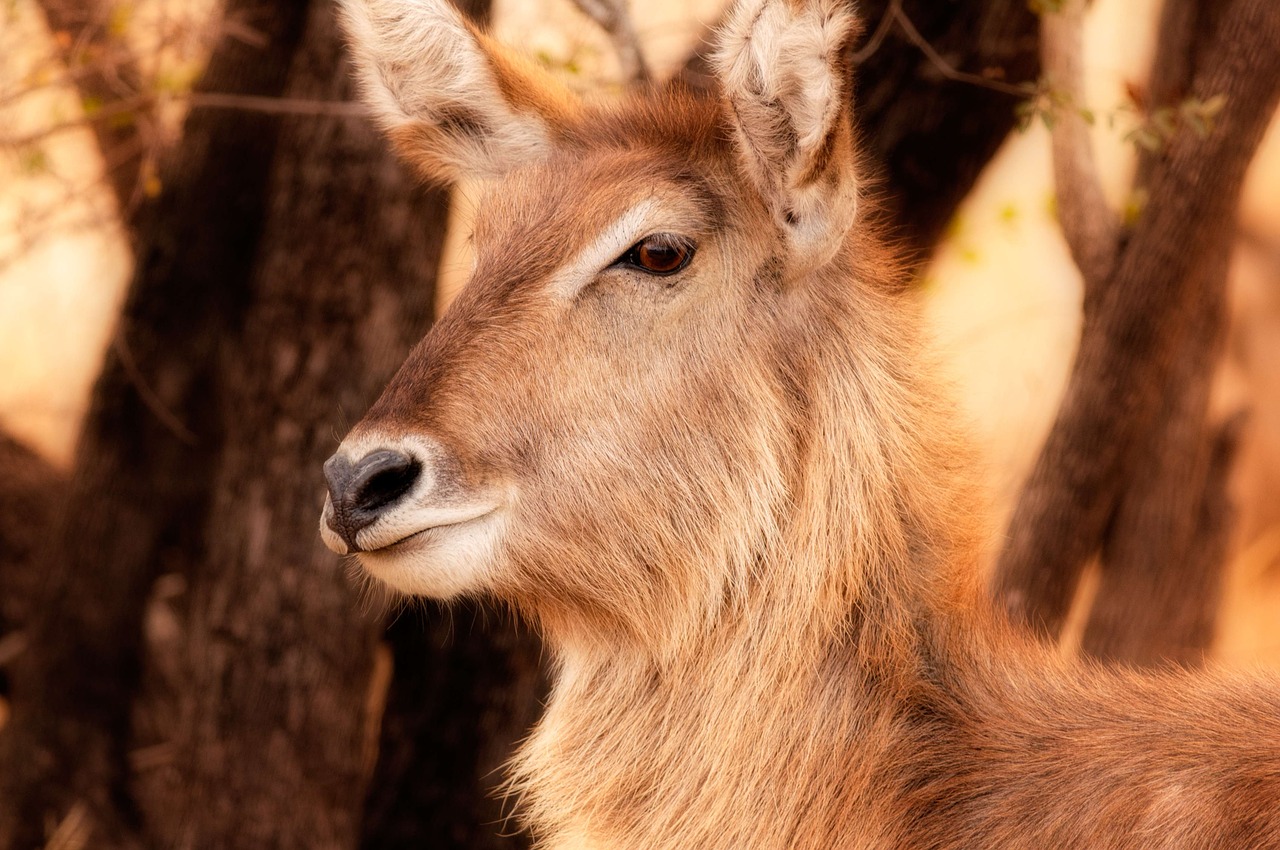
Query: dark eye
{"points": [[661, 254]]}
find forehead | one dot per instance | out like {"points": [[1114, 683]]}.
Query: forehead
{"points": [[645, 151]]}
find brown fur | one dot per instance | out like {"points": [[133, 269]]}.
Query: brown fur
{"points": [[741, 515]]}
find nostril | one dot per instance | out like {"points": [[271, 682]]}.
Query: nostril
{"points": [[359, 492], [382, 478]]}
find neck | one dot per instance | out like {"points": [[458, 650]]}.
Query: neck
{"points": [[829, 650], [688, 753]]}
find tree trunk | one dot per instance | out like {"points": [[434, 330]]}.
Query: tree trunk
{"points": [[265, 711], [467, 688], [1134, 327], [30, 492], [243, 344], [140, 485], [1164, 553]]}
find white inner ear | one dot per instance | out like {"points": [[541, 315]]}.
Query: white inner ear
{"points": [[792, 56], [413, 56], [420, 64], [621, 234]]}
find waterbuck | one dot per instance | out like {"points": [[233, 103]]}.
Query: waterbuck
{"points": [[680, 419]]}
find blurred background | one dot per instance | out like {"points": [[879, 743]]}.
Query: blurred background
{"points": [[209, 266]]}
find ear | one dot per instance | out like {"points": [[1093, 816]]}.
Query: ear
{"points": [[784, 70], [453, 101]]}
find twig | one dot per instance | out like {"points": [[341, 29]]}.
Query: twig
{"points": [[104, 113], [106, 81], [1088, 224], [877, 38], [74, 830], [614, 18], [277, 105], [943, 66], [152, 401], [70, 77], [247, 103]]}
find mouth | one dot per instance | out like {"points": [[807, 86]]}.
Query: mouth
{"points": [[407, 529], [437, 559], [423, 535]]}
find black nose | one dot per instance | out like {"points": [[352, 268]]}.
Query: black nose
{"points": [[360, 492]]}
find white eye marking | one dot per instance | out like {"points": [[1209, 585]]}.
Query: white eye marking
{"points": [[608, 246]]}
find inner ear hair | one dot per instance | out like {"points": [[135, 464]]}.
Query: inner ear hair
{"points": [[784, 66], [455, 102]]}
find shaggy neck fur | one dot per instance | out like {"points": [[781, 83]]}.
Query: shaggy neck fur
{"points": [[764, 640], [825, 652], [863, 696]]}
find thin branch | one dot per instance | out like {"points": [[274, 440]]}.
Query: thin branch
{"points": [[196, 100], [153, 402], [614, 17], [108, 83], [71, 77], [277, 105], [102, 114], [877, 38], [944, 67], [1088, 224]]}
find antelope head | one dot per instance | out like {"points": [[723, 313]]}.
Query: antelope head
{"points": [[607, 428]]}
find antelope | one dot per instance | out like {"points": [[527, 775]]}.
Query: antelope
{"points": [[682, 419]]}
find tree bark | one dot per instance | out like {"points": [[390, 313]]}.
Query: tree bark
{"points": [[1087, 223], [1164, 553], [467, 688], [140, 483], [1130, 341], [265, 715], [30, 493], [260, 314]]}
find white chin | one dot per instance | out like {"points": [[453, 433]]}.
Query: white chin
{"points": [[441, 562]]}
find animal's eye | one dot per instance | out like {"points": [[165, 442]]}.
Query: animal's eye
{"points": [[661, 254]]}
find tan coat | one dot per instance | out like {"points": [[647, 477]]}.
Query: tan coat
{"points": [[731, 496]]}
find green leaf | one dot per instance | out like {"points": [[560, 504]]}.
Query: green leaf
{"points": [[118, 21], [1152, 142], [1211, 107], [1043, 7], [1026, 113], [1133, 207], [33, 161]]}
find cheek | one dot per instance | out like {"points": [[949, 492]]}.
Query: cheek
{"points": [[655, 469]]}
